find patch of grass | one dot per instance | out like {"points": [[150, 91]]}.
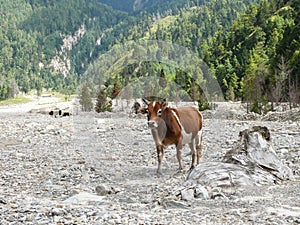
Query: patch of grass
{"points": [[64, 97], [14, 101]]}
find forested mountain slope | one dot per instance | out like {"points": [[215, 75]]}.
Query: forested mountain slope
{"points": [[258, 58], [151, 6], [33, 52], [254, 55], [50, 44], [190, 28]]}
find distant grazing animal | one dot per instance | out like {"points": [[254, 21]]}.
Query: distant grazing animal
{"points": [[59, 113], [54, 113], [177, 126], [136, 107], [66, 114]]}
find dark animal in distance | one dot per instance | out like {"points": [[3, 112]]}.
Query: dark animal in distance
{"points": [[178, 126], [136, 107], [66, 114], [59, 112]]}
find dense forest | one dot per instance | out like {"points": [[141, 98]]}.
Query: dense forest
{"points": [[152, 6], [257, 59], [33, 52], [251, 47]]}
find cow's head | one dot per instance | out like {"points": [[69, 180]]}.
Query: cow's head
{"points": [[154, 111]]}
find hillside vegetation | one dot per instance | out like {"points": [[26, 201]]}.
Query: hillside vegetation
{"points": [[251, 47], [257, 59], [38, 40]]}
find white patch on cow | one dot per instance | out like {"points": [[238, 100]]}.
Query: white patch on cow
{"points": [[201, 116], [159, 112], [199, 135], [186, 138], [153, 104]]}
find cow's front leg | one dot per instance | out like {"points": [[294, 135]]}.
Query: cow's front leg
{"points": [[160, 155]]}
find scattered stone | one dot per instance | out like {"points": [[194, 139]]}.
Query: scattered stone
{"points": [[3, 201], [52, 175], [103, 190], [84, 198], [174, 204], [128, 200], [201, 192], [187, 194]]}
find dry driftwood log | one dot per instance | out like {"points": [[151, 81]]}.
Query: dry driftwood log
{"points": [[252, 161]]}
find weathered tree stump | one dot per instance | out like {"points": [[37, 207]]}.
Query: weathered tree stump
{"points": [[252, 161]]}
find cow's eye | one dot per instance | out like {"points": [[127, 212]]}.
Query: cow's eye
{"points": [[159, 112]]}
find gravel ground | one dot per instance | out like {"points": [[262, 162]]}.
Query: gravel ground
{"points": [[101, 169]]}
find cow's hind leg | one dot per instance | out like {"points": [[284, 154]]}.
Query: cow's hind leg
{"points": [[199, 147], [193, 151], [179, 155]]}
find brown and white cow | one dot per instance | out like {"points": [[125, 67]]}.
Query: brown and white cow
{"points": [[178, 126]]}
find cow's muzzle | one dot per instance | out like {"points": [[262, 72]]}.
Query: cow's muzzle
{"points": [[152, 124]]}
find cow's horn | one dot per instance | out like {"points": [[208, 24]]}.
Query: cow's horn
{"points": [[145, 101]]}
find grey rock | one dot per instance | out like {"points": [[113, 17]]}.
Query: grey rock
{"points": [[3, 201], [84, 198], [103, 190], [187, 194], [201, 192]]}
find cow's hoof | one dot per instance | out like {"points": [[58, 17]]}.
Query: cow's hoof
{"points": [[159, 174], [192, 167]]}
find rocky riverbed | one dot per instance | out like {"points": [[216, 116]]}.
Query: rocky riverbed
{"points": [[101, 169]]}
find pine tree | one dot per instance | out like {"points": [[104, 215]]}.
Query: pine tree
{"points": [[14, 88], [195, 91], [162, 79], [102, 102], [257, 72], [85, 99]]}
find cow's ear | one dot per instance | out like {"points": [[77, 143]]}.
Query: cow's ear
{"points": [[145, 101], [164, 103]]}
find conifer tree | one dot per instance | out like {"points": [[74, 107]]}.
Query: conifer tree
{"points": [[85, 99], [162, 79], [102, 102], [257, 72]]}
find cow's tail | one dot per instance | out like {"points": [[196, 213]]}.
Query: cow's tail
{"points": [[199, 138]]}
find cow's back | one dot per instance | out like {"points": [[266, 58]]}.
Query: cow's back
{"points": [[190, 118]]}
